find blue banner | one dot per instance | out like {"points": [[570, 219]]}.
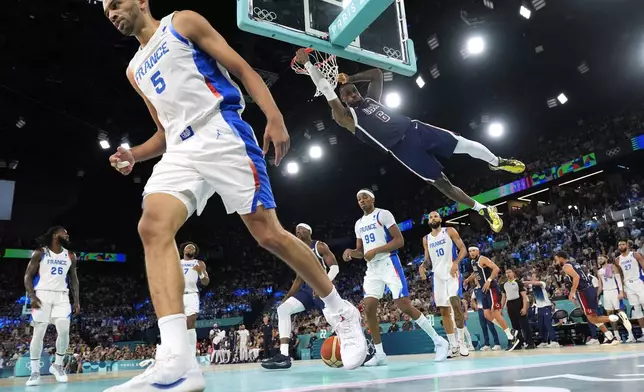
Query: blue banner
{"points": [[97, 367], [131, 365], [23, 366]]}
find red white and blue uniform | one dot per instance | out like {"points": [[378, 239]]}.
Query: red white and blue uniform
{"points": [[492, 298], [51, 286], [633, 278], [442, 253], [385, 269], [305, 294], [586, 293], [209, 148]]}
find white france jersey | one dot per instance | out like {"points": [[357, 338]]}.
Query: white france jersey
{"points": [[52, 274], [183, 83], [442, 253], [608, 283], [190, 275], [631, 267], [373, 230]]}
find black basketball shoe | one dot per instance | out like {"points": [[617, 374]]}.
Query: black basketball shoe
{"points": [[277, 362]]}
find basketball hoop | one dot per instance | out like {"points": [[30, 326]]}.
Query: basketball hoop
{"points": [[326, 63]]}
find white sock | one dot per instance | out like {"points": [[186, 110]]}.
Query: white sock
{"points": [[468, 337], [426, 326], [475, 150], [478, 206], [192, 341], [494, 161], [508, 333], [174, 333], [379, 349], [452, 339], [461, 335], [284, 349], [334, 302], [35, 366], [59, 359]]}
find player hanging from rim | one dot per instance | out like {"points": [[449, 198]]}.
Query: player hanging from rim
{"points": [[444, 251], [485, 272], [611, 285], [194, 272], [413, 143], [584, 294], [300, 296], [632, 265], [182, 72], [46, 284], [378, 239]]}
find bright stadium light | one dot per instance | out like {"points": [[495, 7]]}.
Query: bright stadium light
{"points": [[420, 82], [292, 168], [125, 145], [475, 45], [562, 98], [496, 129], [523, 11], [315, 152], [104, 144], [345, 3], [392, 100]]}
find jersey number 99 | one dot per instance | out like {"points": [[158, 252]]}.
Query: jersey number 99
{"points": [[56, 270], [159, 83], [369, 238]]}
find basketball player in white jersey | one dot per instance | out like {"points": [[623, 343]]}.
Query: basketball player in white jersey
{"points": [[242, 347], [444, 251], [611, 286], [51, 266], [300, 297], [632, 265], [194, 271], [378, 239], [181, 71], [413, 143]]}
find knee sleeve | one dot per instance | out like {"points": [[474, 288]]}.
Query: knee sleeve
{"points": [[62, 338], [35, 348], [284, 313]]}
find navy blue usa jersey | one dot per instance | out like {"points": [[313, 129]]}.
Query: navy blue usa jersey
{"points": [[584, 280], [377, 125]]}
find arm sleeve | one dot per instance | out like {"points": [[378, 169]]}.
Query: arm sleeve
{"points": [[386, 218]]}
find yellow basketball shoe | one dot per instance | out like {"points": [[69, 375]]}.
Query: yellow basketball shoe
{"points": [[509, 165], [492, 218]]}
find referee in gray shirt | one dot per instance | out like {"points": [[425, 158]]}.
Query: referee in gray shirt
{"points": [[516, 297]]}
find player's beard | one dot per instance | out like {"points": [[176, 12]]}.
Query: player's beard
{"points": [[63, 242], [189, 255], [434, 225]]}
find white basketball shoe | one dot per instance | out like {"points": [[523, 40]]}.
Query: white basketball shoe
{"points": [[168, 372], [34, 380], [441, 346], [376, 360], [353, 345], [59, 372]]}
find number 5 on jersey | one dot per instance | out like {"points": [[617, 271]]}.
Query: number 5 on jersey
{"points": [[370, 238], [159, 83]]}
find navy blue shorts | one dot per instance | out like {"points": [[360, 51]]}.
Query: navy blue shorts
{"points": [[418, 149], [305, 296], [587, 299], [492, 298]]}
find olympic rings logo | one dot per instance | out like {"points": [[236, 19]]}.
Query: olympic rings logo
{"points": [[263, 14], [391, 52], [613, 152]]}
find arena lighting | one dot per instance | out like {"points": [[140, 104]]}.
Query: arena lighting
{"points": [[475, 45], [392, 100], [420, 82], [315, 152], [104, 144], [496, 129], [125, 145], [562, 98], [454, 219], [620, 224], [500, 204], [523, 11], [345, 3], [580, 178], [292, 168], [524, 198]]}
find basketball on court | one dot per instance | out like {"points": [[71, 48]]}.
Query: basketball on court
{"points": [[330, 352]]}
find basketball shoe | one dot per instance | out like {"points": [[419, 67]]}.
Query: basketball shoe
{"points": [[492, 217], [59, 372], [279, 361], [509, 165], [380, 359], [34, 379], [441, 346], [353, 345], [169, 372]]}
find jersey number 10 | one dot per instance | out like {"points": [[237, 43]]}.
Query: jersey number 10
{"points": [[369, 238], [440, 252]]}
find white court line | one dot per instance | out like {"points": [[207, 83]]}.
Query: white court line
{"points": [[630, 374], [356, 384]]}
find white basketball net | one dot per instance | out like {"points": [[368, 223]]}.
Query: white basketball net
{"points": [[326, 63]]}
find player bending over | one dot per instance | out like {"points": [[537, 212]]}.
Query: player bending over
{"points": [[611, 285], [194, 271], [584, 294], [632, 264], [485, 272], [181, 70], [444, 251], [378, 239], [46, 283], [413, 143], [300, 296]]}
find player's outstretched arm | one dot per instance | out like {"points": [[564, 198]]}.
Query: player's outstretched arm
{"points": [[73, 282], [198, 30], [204, 279], [375, 79], [32, 270]]}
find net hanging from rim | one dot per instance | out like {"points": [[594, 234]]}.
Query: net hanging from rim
{"points": [[326, 63]]}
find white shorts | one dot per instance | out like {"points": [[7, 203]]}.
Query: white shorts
{"points": [[219, 154], [191, 304], [385, 272], [444, 289], [610, 300], [634, 292], [54, 305]]}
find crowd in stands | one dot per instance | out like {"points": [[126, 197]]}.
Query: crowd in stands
{"points": [[576, 218]]}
